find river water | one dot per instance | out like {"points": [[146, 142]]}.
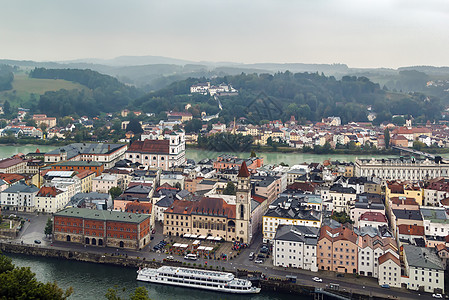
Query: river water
{"points": [[269, 157], [91, 281]]}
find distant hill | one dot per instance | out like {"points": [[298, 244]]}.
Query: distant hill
{"points": [[306, 96], [132, 61], [25, 91]]}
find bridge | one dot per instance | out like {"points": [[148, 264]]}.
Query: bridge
{"points": [[413, 151]]}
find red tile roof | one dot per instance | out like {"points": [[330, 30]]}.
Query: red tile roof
{"points": [[48, 191], [373, 216], [11, 178], [206, 206], [387, 256], [150, 146], [243, 172], [411, 230], [139, 207]]}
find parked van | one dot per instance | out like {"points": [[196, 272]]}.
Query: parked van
{"points": [[251, 256], [191, 256]]}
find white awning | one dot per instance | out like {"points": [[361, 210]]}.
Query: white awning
{"points": [[208, 248], [196, 242], [202, 237], [201, 248], [184, 246], [176, 245], [218, 238], [210, 238], [187, 235], [193, 236]]}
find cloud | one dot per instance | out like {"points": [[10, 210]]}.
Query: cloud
{"points": [[357, 32]]}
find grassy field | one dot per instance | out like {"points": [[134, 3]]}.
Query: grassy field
{"points": [[23, 87]]}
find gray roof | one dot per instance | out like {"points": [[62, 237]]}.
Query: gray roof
{"points": [[407, 214], [21, 187], [254, 204], [75, 149], [90, 196], [297, 233], [102, 215], [167, 201], [435, 215], [421, 257]]}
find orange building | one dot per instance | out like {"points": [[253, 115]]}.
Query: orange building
{"points": [[102, 228], [79, 166], [337, 250], [226, 161]]}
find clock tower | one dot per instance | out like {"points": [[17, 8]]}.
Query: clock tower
{"points": [[243, 205]]}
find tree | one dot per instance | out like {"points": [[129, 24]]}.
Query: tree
{"points": [[387, 138], [21, 283], [341, 217], [229, 189], [48, 227], [115, 192], [140, 293], [253, 154], [134, 126], [6, 107], [178, 185]]}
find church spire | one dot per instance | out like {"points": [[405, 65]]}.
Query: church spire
{"points": [[243, 172]]}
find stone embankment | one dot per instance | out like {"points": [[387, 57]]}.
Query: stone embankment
{"points": [[268, 284]]}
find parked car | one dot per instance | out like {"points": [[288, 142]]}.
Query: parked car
{"points": [[37, 241], [317, 279], [264, 249], [438, 296], [251, 256], [259, 261], [340, 275], [191, 257], [170, 257], [385, 286]]}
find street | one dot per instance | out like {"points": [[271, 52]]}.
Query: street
{"points": [[34, 229]]}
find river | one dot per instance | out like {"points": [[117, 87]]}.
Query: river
{"points": [[276, 158], [195, 154], [91, 281]]}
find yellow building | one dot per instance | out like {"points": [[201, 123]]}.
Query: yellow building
{"points": [[86, 178], [402, 189]]}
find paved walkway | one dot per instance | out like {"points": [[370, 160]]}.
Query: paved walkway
{"points": [[349, 283]]}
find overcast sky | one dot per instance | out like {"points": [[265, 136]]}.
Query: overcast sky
{"points": [[378, 33]]}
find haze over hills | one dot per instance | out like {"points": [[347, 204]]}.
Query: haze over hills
{"points": [[155, 72]]}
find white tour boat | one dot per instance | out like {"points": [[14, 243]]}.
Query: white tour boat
{"points": [[201, 279]]}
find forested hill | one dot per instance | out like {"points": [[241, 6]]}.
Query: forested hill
{"points": [[307, 96], [6, 77], [105, 94]]}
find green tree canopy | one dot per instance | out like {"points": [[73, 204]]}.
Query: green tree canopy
{"points": [[229, 189], [134, 126], [115, 192], [21, 283], [48, 227]]}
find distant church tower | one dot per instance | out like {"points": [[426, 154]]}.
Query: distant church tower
{"points": [[243, 205]]}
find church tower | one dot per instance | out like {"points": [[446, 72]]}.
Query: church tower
{"points": [[243, 205]]}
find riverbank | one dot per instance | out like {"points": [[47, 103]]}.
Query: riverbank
{"points": [[276, 284], [269, 149]]}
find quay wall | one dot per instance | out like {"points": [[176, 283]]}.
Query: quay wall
{"points": [[268, 284]]}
